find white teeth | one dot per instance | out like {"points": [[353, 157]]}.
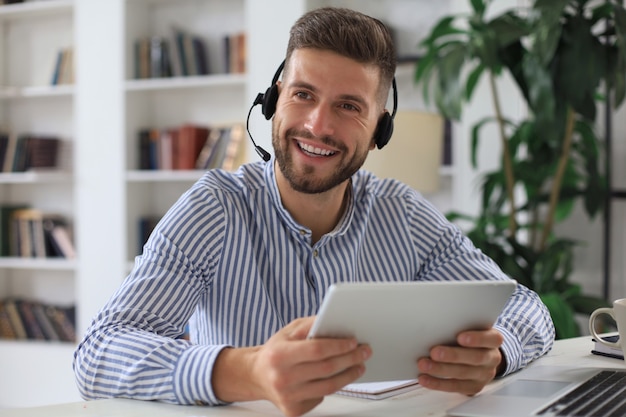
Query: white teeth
{"points": [[314, 150]]}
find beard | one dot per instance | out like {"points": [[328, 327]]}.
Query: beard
{"points": [[303, 179]]}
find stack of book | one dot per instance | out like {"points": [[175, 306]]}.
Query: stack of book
{"points": [[191, 54], [191, 147], [153, 58], [28, 152], [30, 233], [184, 55], [22, 319]]}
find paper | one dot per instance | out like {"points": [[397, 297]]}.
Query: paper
{"points": [[379, 390]]}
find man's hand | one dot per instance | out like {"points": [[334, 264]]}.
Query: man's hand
{"points": [[466, 368], [293, 372]]}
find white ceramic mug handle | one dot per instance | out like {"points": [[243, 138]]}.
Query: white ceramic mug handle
{"points": [[592, 329]]}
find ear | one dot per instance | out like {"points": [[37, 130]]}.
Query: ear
{"points": [[372, 144]]}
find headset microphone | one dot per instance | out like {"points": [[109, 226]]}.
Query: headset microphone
{"points": [[267, 100], [265, 155]]}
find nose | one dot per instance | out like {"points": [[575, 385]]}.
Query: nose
{"points": [[320, 121]]}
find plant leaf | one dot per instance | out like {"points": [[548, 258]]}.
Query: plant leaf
{"points": [[562, 316]]}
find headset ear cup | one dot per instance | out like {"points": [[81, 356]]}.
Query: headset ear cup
{"points": [[268, 106], [384, 130]]}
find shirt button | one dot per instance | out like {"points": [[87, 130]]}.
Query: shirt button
{"points": [[303, 232], [315, 253]]}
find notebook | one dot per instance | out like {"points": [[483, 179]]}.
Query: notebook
{"points": [[552, 391], [401, 321], [379, 390], [604, 350]]}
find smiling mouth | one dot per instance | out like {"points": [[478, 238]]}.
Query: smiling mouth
{"points": [[313, 151]]}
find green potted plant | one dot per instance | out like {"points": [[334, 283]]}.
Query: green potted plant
{"points": [[564, 57]]}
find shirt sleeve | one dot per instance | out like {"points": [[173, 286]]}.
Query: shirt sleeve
{"points": [[133, 347], [447, 254]]}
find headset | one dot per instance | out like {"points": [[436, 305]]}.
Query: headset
{"points": [[267, 100]]}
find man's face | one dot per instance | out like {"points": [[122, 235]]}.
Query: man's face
{"points": [[325, 119]]}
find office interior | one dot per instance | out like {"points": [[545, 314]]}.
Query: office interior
{"points": [[98, 112]]}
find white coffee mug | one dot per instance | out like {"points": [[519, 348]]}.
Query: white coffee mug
{"points": [[618, 312]]}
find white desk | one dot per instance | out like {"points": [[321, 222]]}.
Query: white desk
{"points": [[420, 402]]}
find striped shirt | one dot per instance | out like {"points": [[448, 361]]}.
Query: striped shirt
{"points": [[231, 262]]}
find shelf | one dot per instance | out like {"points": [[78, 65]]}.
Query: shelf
{"points": [[36, 91], [163, 175], [177, 83], [47, 264], [31, 9], [35, 177]]}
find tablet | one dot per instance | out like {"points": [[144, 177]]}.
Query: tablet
{"points": [[401, 321]]}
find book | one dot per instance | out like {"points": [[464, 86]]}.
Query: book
{"points": [[6, 328], [62, 319], [58, 237], [43, 152], [30, 232], [206, 151], [63, 72], [56, 71], [216, 157], [235, 51], [143, 142], [191, 139], [23, 232], [4, 144], [10, 306], [200, 56], [379, 390], [44, 322], [233, 154], [604, 350], [6, 215], [9, 155], [166, 149], [31, 324]]}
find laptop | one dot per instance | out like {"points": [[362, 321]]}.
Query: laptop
{"points": [[548, 391], [401, 321]]}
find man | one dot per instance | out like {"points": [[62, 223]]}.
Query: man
{"points": [[247, 257]]}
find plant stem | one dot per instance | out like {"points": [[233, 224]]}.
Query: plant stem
{"points": [[506, 157], [558, 177]]}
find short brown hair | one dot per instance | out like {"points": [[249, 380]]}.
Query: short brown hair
{"points": [[348, 33]]}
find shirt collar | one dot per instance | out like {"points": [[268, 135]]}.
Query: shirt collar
{"points": [[272, 187]]}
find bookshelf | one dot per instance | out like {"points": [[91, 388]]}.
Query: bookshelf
{"points": [[33, 33], [101, 188]]}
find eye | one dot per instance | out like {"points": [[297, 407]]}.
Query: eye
{"points": [[349, 107], [303, 95]]}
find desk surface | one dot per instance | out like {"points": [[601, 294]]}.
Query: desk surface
{"points": [[420, 402]]}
